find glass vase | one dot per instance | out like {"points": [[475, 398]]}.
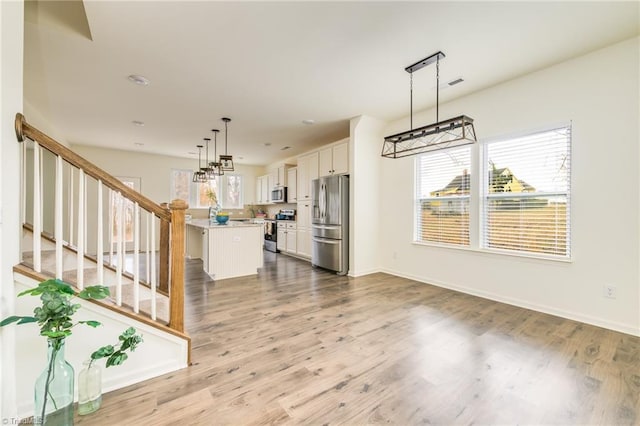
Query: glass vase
{"points": [[54, 389], [89, 388]]}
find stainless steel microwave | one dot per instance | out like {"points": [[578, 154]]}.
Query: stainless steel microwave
{"points": [[279, 194]]}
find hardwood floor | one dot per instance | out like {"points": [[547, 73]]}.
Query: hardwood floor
{"points": [[295, 345]]}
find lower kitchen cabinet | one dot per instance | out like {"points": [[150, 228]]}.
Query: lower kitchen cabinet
{"points": [[232, 250], [291, 238], [281, 237], [287, 241], [303, 240]]}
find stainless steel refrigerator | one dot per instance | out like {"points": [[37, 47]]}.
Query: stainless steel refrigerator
{"points": [[330, 223]]}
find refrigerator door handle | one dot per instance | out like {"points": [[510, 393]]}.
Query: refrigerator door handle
{"points": [[322, 200], [325, 241]]}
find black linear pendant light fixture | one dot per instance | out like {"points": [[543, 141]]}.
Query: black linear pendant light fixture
{"points": [[215, 168], [444, 134], [226, 160], [200, 175]]}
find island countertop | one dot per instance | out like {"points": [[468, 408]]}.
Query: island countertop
{"points": [[206, 224]]}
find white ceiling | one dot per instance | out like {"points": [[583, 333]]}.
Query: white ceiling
{"points": [[270, 65]]}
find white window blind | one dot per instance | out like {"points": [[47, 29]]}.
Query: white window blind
{"points": [[442, 196], [527, 193]]}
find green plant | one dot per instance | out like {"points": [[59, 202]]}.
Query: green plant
{"points": [[54, 316], [116, 354]]}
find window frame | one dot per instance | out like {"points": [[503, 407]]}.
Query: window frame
{"points": [[194, 190], [477, 200], [419, 200]]}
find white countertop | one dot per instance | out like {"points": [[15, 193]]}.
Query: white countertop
{"points": [[205, 224]]}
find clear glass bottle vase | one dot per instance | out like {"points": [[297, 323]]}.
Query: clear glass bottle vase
{"points": [[54, 389], [89, 388]]}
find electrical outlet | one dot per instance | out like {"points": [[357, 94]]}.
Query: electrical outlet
{"points": [[610, 291]]}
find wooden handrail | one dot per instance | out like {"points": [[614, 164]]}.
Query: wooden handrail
{"points": [[176, 291], [24, 129]]}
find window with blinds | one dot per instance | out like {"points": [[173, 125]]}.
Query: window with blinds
{"points": [[526, 198], [442, 196]]}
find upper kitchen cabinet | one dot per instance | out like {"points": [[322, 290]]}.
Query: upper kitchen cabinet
{"points": [[307, 172], [263, 190], [334, 159], [292, 181], [282, 176]]}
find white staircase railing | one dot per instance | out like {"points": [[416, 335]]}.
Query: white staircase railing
{"points": [[59, 178]]}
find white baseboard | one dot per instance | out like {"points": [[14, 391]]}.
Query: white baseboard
{"points": [[587, 319], [363, 272]]}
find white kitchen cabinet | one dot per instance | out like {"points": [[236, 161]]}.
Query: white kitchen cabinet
{"points": [[272, 178], [259, 190], [265, 192], [304, 214], [281, 237], [292, 182], [291, 238], [282, 175], [287, 237], [303, 231], [307, 172], [334, 159], [303, 242]]}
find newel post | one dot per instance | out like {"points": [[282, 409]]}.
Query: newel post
{"points": [[165, 230], [176, 293]]}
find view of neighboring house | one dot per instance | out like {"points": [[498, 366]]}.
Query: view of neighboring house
{"points": [[500, 180]]}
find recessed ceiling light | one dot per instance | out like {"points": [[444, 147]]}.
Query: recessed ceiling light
{"points": [[456, 81], [138, 123], [284, 148], [267, 144], [139, 79], [308, 121]]}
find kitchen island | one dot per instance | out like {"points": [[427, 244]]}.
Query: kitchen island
{"points": [[227, 251]]}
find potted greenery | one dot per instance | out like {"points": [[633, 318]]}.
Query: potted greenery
{"points": [[54, 387], [90, 378]]}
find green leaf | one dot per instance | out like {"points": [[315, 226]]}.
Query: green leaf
{"points": [[93, 324], [94, 292], [117, 359], [103, 352], [19, 320]]}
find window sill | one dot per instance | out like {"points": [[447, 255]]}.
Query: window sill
{"points": [[494, 252]]}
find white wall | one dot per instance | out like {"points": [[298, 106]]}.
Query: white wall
{"points": [[366, 197], [11, 48], [599, 94], [154, 170]]}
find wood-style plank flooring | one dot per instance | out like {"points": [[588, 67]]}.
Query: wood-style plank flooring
{"points": [[295, 345]]}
